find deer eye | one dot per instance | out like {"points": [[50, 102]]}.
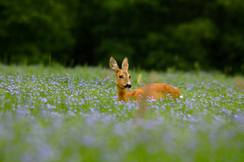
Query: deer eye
{"points": [[129, 76], [121, 76]]}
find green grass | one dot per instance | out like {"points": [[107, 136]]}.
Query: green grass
{"points": [[61, 114]]}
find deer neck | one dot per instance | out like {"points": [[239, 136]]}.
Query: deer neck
{"points": [[122, 94]]}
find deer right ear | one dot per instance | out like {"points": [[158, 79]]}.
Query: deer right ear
{"points": [[113, 64], [125, 64]]}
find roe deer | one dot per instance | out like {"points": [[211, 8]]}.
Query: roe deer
{"points": [[155, 90]]}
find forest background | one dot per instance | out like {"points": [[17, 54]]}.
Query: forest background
{"points": [[154, 34]]}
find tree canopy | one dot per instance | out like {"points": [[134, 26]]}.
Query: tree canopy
{"points": [[153, 34]]}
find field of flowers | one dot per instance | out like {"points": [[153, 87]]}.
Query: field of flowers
{"points": [[62, 114]]}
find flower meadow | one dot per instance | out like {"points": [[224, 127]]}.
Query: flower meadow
{"points": [[63, 114]]}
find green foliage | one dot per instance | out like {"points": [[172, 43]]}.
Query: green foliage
{"points": [[182, 35], [153, 34], [32, 30]]}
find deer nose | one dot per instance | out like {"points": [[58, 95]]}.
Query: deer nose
{"points": [[128, 86]]}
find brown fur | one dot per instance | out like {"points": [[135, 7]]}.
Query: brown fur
{"points": [[156, 90]]}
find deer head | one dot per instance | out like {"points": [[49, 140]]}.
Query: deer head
{"points": [[122, 75]]}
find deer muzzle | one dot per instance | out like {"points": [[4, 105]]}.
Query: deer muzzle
{"points": [[128, 86]]}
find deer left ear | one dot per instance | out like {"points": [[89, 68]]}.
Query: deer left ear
{"points": [[125, 64], [113, 64]]}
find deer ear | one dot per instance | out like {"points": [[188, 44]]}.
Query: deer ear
{"points": [[125, 64], [113, 64]]}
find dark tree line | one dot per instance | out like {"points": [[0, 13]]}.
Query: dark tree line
{"points": [[153, 34]]}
